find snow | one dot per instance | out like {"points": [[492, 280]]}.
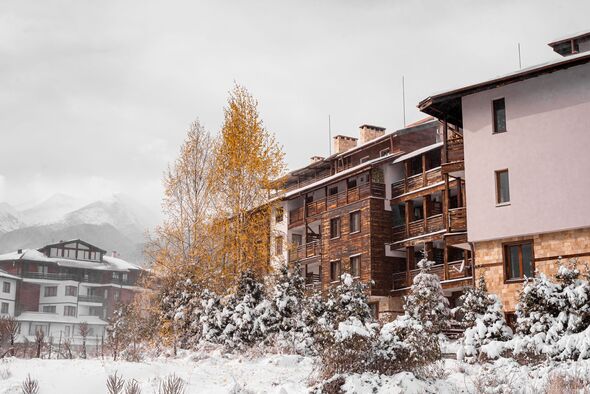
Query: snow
{"points": [[280, 374], [55, 318], [217, 373]]}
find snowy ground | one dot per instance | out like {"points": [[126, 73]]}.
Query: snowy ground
{"points": [[281, 374]]}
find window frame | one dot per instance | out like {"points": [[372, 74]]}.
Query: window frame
{"points": [[339, 265], [52, 307], [505, 262], [4, 286], [71, 293], [498, 187], [279, 215], [70, 308], [350, 222], [495, 117], [7, 308], [279, 245], [45, 291], [339, 219], [355, 256]]}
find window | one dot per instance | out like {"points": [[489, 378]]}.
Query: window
{"points": [[499, 108], [355, 222], [383, 152], [71, 291], [374, 306], [365, 159], [502, 187], [124, 277], [4, 307], [297, 239], [355, 266], [49, 308], [334, 270], [335, 228], [399, 215], [116, 295], [69, 310], [333, 190], [6, 287], [518, 260], [95, 311], [50, 291], [279, 214], [415, 165], [115, 276], [278, 246]]}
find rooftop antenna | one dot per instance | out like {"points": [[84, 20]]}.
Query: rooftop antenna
{"points": [[404, 98], [329, 136], [519, 60]]}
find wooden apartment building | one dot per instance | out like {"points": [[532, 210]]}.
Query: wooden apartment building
{"points": [[373, 208]]}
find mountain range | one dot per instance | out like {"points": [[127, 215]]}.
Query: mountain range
{"points": [[117, 223]]}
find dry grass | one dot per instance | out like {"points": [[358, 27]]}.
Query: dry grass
{"points": [[30, 386], [172, 385], [115, 384], [572, 382]]}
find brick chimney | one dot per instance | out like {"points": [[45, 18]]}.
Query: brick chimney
{"points": [[368, 132], [342, 143], [315, 159]]}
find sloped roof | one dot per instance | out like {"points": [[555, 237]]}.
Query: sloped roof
{"points": [[44, 317]]}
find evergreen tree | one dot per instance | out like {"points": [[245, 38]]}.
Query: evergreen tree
{"points": [[426, 302], [288, 298], [180, 306], [244, 317], [211, 317], [474, 302]]}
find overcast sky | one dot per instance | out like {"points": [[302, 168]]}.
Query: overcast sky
{"points": [[96, 96]]}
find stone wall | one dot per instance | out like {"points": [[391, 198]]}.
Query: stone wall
{"points": [[547, 248]]}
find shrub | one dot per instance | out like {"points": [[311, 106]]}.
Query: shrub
{"points": [[172, 385], [115, 384], [30, 386]]}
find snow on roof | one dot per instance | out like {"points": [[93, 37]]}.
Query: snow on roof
{"points": [[337, 175], [5, 274], [418, 152], [108, 263], [569, 37], [55, 318], [26, 254]]}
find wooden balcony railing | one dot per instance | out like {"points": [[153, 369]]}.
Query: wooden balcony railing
{"points": [[296, 217], [458, 219], [434, 223], [316, 207], [399, 233], [301, 252], [415, 182], [313, 279], [455, 270], [416, 228], [356, 194], [455, 150]]}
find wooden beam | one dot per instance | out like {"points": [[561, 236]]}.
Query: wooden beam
{"points": [[445, 142]]}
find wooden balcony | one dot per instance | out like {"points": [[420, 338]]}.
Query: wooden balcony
{"points": [[418, 227], [305, 251], [455, 156], [458, 219], [455, 270], [356, 194], [416, 182]]}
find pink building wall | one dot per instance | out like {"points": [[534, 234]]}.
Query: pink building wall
{"points": [[546, 150]]}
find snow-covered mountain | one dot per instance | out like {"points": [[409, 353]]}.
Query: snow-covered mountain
{"points": [[10, 218], [51, 210], [118, 223]]}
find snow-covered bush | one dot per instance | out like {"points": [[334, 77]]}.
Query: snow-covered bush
{"points": [[210, 317], [180, 304], [345, 331], [426, 302], [488, 327], [404, 344], [473, 303], [287, 298]]}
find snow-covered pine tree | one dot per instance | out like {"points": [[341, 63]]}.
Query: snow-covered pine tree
{"points": [[287, 298], [180, 306], [118, 330], [488, 326], [346, 329], [426, 302], [474, 302], [210, 317], [540, 302], [246, 317]]}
